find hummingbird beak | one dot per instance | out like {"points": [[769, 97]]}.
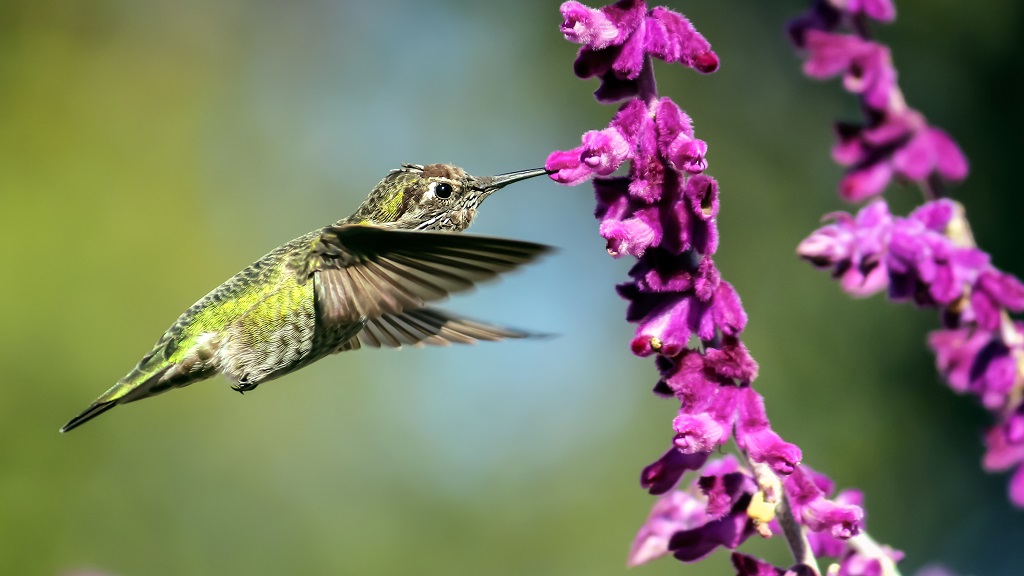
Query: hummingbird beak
{"points": [[490, 184]]}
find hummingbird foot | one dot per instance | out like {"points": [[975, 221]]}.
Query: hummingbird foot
{"points": [[244, 386]]}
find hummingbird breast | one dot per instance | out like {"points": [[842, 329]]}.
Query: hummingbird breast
{"points": [[258, 325]]}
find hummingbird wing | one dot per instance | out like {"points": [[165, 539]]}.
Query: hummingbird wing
{"points": [[364, 272], [426, 326]]}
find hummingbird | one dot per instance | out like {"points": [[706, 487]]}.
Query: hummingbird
{"points": [[365, 280]]}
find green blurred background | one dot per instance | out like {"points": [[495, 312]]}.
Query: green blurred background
{"points": [[148, 150]]}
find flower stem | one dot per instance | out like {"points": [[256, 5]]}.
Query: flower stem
{"points": [[796, 538], [646, 83]]}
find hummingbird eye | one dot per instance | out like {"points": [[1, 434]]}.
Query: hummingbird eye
{"points": [[443, 190]]}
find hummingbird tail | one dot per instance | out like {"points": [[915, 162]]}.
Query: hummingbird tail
{"points": [[429, 326], [91, 412], [135, 386]]}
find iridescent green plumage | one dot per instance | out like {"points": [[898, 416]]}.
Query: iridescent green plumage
{"points": [[363, 281]]}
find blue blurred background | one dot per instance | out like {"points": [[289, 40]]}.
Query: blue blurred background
{"points": [[148, 150]]}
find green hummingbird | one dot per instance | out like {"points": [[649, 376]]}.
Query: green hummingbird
{"points": [[362, 281]]}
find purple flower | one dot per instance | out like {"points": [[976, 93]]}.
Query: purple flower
{"points": [[710, 512], [602, 151], [707, 411], [882, 10], [671, 513], [993, 292], [617, 38], [676, 138], [925, 265], [652, 138], [755, 436], [587, 26], [666, 320], [726, 492], [826, 542], [853, 247], [866, 66], [979, 362], [839, 520], [827, 15], [1004, 445], [729, 532], [663, 475], [694, 377], [750, 566], [916, 259], [857, 564], [896, 143], [664, 214], [629, 225]]}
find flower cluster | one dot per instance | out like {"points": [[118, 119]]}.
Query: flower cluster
{"points": [[617, 40], [663, 213], [893, 140], [929, 256]]}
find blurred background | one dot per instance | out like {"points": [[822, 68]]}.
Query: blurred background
{"points": [[149, 150]]}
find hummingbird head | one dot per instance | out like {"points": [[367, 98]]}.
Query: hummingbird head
{"points": [[433, 197]]}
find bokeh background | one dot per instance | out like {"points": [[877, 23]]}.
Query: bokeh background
{"points": [[148, 150]]}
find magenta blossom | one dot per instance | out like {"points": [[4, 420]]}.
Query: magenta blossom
{"points": [[692, 523], [1005, 451], [664, 213], [916, 259], [898, 143], [866, 66], [830, 15], [928, 257], [618, 38]]}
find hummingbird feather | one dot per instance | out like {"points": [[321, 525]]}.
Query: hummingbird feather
{"points": [[427, 326], [368, 272], [362, 281]]}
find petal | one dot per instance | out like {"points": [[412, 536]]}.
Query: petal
{"points": [[732, 360], [762, 444], [1003, 289], [584, 25], [631, 236], [865, 182], [666, 330], [831, 54], [697, 433], [662, 271], [612, 198], [950, 160], [630, 59], [701, 193], [672, 512], [672, 38], [935, 215], [671, 121], [707, 280], [728, 313], [750, 566], [1016, 489], [570, 170], [841, 521], [724, 490], [916, 159], [604, 151], [663, 474], [881, 10], [729, 531]]}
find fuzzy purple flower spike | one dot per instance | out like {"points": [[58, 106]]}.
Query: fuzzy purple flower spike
{"points": [[928, 257], [663, 213]]}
